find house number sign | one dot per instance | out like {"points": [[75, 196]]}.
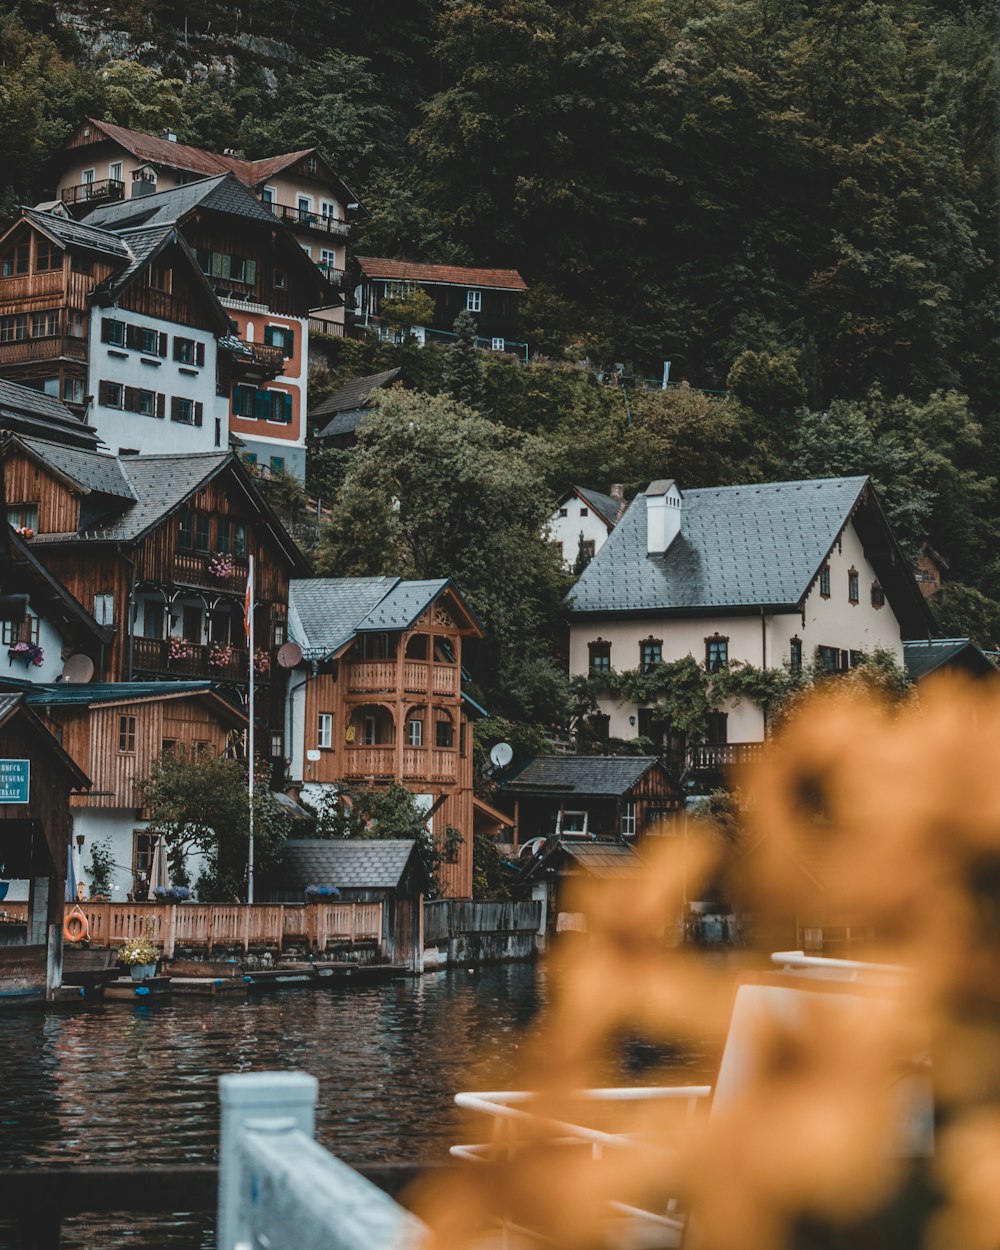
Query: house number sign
{"points": [[14, 781]]}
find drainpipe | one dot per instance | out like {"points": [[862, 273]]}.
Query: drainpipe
{"points": [[129, 623], [290, 715], [763, 658]]}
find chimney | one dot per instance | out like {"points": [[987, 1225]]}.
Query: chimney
{"points": [[663, 515], [619, 494], [170, 136]]}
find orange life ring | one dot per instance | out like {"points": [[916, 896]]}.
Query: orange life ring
{"points": [[76, 927]]}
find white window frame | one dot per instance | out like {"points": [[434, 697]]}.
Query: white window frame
{"points": [[268, 196], [498, 344], [369, 731], [328, 210], [104, 608], [415, 732], [115, 171], [87, 177], [473, 300], [628, 826], [324, 731]]}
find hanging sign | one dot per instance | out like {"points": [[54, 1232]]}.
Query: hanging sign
{"points": [[14, 781]]}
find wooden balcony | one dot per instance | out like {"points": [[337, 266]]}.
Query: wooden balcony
{"points": [[24, 351], [103, 191], [718, 756], [320, 325], [332, 274], [369, 761], [259, 360], [191, 569], [306, 218], [178, 658], [419, 677], [429, 764]]}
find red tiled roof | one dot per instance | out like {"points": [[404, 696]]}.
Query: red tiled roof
{"points": [[453, 275], [195, 160]]}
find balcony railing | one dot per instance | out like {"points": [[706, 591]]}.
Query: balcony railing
{"points": [[332, 274], [181, 658], [21, 351], [712, 756], [419, 677], [193, 570], [369, 761], [85, 192], [320, 325], [310, 219], [429, 764], [260, 359]]}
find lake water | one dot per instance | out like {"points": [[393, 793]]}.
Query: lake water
{"points": [[121, 1084]]}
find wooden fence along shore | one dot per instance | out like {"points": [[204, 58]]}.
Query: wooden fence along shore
{"points": [[211, 925]]}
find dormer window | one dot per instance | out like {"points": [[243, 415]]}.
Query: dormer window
{"points": [[824, 581]]}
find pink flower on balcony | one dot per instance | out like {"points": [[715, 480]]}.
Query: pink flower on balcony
{"points": [[221, 655], [221, 565], [180, 649], [261, 660]]}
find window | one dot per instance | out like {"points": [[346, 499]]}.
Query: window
{"points": [[146, 403], [628, 820], [75, 324], [717, 727], [277, 464], [370, 731], [13, 329], [115, 171], [312, 165], [280, 336], [159, 278], [16, 261], [88, 177], [444, 735], [23, 516], [279, 279], [267, 196], [72, 390], [244, 401], [277, 745], [104, 608], [852, 586], [275, 406], [191, 623], [188, 352], [146, 340], [239, 539], [113, 331], [278, 634], [327, 258], [224, 535], [795, 655], [588, 546], [167, 745], [224, 265], [126, 735], [47, 257], [186, 411], [28, 630], [585, 512], [45, 324], [201, 532], [716, 653], [650, 653], [824, 581], [600, 656], [473, 301], [564, 511], [111, 394], [328, 210], [415, 732], [50, 386], [143, 845], [828, 659], [185, 532], [878, 596], [304, 204], [498, 344], [152, 619], [324, 733]]}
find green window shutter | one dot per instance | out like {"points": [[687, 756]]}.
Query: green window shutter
{"points": [[250, 275], [288, 408], [263, 405], [238, 400]]}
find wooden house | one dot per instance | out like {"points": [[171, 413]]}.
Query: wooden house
{"points": [[334, 421], [28, 410], [553, 876], [115, 732], [37, 777], [267, 285], [956, 656], [610, 797], [156, 548], [378, 697], [102, 163], [387, 871], [492, 296]]}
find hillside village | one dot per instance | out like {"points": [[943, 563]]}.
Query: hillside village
{"points": [[228, 541]]}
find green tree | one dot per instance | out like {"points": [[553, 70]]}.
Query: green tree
{"points": [[403, 312], [140, 97], [463, 374], [199, 803]]}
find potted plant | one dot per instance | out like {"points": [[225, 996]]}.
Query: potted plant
{"points": [[30, 652], [221, 655], [261, 660], [221, 565], [180, 649], [140, 955], [102, 867]]}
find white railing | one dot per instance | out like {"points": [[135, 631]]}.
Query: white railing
{"points": [[278, 1187]]}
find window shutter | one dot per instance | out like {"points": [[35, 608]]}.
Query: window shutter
{"points": [[161, 404], [133, 338], [163, 345], [199, 353], [289, 344], [108, 331], [263, 405], [177, 348], [102, 393], [174, 405], [198, 413], [251, 272], [269, 335], [287, 405], [131, 399]]}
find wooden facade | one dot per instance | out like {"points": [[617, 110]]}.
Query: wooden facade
{"points": [[398, 715]]}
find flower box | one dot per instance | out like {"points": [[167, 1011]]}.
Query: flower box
{"points": [[29, 652]]}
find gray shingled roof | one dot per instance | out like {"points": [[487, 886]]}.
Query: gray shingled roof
{"points": [[162, 483], [582, 775], [364, 864], [90, 470], [603, 859], [8, 704], [739, 546], [354, 394], [606, 506], [24, 410], [143, 246], [72, 233], [324, 613], [223, 194], [923, 657]]}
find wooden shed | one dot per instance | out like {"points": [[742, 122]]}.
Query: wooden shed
{"points": [[366, 870], [36, 778]]}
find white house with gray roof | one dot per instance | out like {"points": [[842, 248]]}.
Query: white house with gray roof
{"points": [[771, 574], [582, 520]]}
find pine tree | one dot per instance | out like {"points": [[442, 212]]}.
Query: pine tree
{"points": [[464, 369]]}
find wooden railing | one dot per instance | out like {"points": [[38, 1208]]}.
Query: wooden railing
{"points": [[191, 659], [419, 677], [715, 755], [430, 763], [369, 761], [51, 348], [86, 192], [371, 675], [210, 925], [191, 569], [260, 357], [320, 325]]}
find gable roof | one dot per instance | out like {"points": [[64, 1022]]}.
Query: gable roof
{"points": [[15, 704], [363, 864], [354, 394], [584, 776], [745, 548], [24, 410], [89, 471], [223, 194], [66, 232], [327, 613], [66, 694], [925, 656], [593, 859], [446, 275], [607, 507]]}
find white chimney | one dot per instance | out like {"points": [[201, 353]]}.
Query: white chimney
{"points": [[663, 515]]}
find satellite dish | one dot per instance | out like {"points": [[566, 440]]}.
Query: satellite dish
{"points": [[501, 755], [289, 655], [78, 670]]}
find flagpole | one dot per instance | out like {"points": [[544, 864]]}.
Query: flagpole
{"points": [[250, 752]]}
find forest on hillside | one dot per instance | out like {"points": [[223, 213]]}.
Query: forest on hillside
{"points": [[794, 201]]}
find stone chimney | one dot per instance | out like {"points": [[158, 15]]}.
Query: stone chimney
{"points": [[618, 494], [663, 515]]}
